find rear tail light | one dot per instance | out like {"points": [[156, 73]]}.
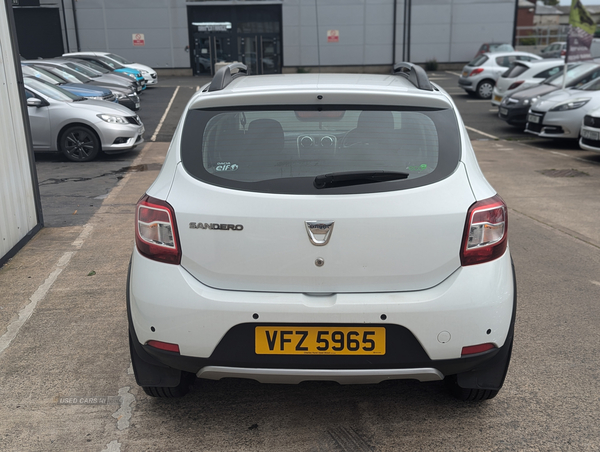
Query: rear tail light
{"points": [[516, 84], [485, 232], [563, 52], [472, 349], [476, 71], [156, 231]]}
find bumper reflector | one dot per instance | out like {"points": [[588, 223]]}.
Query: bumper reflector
{"points": [[472, 349], [164, 346]]}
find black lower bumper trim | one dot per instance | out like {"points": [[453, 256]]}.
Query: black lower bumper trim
{"points": [[236, 349]]}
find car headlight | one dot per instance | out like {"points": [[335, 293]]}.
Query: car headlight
{"points": [[120, 95], [571, 104], [113, 119], [131, 75], [96, 97], [144, 72]]}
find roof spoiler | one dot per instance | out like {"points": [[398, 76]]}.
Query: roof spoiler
{"points": [[223, 77], [415, 74]]}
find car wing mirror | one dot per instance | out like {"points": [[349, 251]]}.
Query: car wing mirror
{"points": [[35, 102]]}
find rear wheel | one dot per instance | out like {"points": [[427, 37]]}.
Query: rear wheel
{"points": [[169, 393], [485, 382], [485, 89], [79, 144], [158, 380]]}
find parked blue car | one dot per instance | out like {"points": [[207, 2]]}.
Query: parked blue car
{"points": [[87, 91], [104, 65]]}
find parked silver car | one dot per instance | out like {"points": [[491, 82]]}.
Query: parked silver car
{"points": [[480, 75], [78, 128], [555, 50]]}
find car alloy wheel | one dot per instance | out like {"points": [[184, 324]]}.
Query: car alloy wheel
{"points": [[79, 144], [485, 89]]}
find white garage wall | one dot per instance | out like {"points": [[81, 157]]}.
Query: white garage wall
{"points": [[445, 30], [18, 214]]}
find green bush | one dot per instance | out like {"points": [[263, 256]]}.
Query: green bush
{"points": [[527, 41], [431, 65]]}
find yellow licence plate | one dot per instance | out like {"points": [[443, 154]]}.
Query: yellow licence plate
{"points": [[297, 340], [498, 98]]}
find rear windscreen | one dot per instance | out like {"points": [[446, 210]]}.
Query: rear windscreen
{"points": [[514, 71], [283, 150]]}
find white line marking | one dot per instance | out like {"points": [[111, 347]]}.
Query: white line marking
{"points": [[559, 153], [454, 73], [595, 282], [164, 116], [481, 133], [24, 314], [478, 101]]}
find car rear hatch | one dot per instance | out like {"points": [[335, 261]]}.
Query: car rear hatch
{"points": [[269, 224]]}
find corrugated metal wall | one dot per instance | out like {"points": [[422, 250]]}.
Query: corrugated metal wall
{"points": [[18, 213]]}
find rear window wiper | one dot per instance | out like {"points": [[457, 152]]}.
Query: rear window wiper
{"points": [[356, 178]]}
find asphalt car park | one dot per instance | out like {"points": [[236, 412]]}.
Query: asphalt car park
{"points": [[67, 383]]}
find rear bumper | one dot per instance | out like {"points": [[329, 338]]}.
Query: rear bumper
{"points": [[466, 84], [425, 330]]}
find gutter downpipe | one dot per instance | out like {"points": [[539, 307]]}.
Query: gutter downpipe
{"points": [[394, 35], [62, 2], [76, 27]]}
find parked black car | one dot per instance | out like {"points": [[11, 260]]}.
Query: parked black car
{"points": [[514, 108]]}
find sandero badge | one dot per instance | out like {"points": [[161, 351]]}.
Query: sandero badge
{"points": [[217, 226]]}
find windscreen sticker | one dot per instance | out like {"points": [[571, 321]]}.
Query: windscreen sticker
{"points": [[227, 166], [420, 168]]}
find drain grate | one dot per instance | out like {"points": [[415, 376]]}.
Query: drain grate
{"points": [[563, 173]]}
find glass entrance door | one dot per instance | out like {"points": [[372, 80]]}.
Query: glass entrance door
{"points": [[260, 53], [210, 49], [250, 34]]}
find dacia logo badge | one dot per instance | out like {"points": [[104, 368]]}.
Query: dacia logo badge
{"points": [[319, 232]]}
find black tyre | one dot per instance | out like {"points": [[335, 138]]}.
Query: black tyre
{"points": [[485, 382], [187, 380], [79, 144], [485, 89], [166, 382], [468, 394]]}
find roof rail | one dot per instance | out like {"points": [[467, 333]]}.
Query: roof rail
{"points": [[223, 77], [415, 74]]}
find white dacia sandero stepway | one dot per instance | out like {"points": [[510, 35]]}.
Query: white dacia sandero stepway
{"points": [[321, 227]]}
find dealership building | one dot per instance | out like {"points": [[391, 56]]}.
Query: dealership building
{"points": [[272, 36]]}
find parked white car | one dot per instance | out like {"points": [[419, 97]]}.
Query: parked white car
{"points": [[590, 131], [560, 114], [76, 127], [147, 72], [321, 227], [479, 76], [524, 74]]}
